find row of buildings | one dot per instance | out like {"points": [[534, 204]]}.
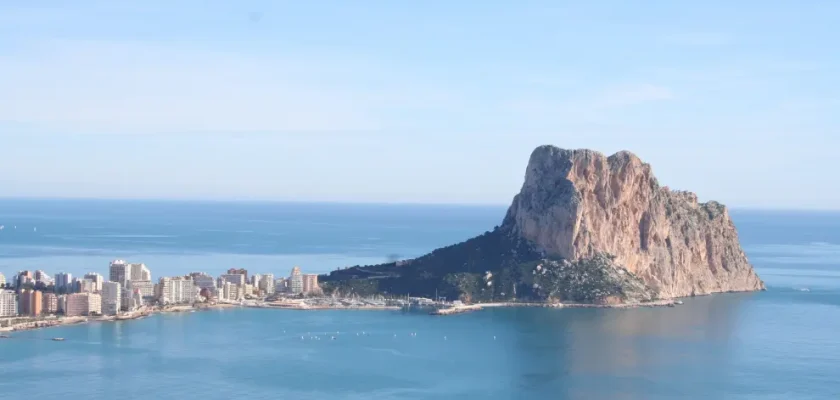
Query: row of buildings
{"points": [[34, 303], [129, 287]]}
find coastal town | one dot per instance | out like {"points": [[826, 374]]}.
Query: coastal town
{"points": [[34, 299]]}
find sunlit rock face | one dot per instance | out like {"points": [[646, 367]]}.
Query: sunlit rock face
{"points": [[577, 204]]}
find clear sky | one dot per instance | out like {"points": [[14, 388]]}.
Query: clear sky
{"points": [[415, 101]]}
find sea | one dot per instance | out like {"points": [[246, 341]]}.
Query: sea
{"points": [[783, 343]]}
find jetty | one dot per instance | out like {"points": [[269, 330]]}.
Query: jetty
{"points": [[458, 309]]}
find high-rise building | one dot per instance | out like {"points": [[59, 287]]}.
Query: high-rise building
{"points": [[240, 271], [281, 285], [145, 288], [62, 304], [37, 303], [127, 302], [22, 279], [2, 280], [119, 271], [97, 280], [255, 280], [63, 282], [296, 281], [137, 299], [85, 286], [78, 304], [8, 303], [178, 290], [31, 302], [23, 301], [310, 284], [230, 291], [234, 279], [50, 305], [111, 298], [41, 276], [203, 280], [266, 284], [139, 272]]}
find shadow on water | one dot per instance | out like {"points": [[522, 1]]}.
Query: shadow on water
{"points": [[624, 354]]}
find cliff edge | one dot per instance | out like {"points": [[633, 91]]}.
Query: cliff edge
{"points": [[578, 204]]}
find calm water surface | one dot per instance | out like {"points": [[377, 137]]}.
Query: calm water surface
{"points": [[779, 344]]}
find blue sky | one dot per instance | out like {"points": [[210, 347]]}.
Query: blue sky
{"points": [[428, 101]]}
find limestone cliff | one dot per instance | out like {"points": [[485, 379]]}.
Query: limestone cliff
{"points": [[577, 204]]}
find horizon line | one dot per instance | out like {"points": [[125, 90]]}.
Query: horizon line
{"points": [[343, 202]]}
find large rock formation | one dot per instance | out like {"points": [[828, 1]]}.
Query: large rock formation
{"points": [[600, 229], [578, 204]]}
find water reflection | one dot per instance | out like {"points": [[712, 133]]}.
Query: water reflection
{"points": [[626, 354]]}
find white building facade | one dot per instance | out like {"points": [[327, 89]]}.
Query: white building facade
{"points": [[178, 290], [266, 284], [8, 303], [111, 298], [139, 272], [296, 281], [146, 289], [79, 304]]}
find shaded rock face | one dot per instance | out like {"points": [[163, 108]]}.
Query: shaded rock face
{"points": [[576, 204]]}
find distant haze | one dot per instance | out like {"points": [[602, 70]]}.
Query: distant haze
{"points": [[420, 102]]}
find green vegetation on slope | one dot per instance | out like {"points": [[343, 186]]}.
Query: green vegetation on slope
{"points": [[496, 266]]}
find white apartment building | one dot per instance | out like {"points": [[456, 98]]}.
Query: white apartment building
{"points": [[111, 298], [296, 281], [2, 279], [8, 303], [119, 271], [97, 280], [78, 304], [230, 291], [146, 288], [139, 272], [178, 290], [266, 284]]}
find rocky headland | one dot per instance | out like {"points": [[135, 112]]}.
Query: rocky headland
{"points": [[584, 228]]}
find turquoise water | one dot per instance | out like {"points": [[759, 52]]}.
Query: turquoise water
{"points": [[779, 344]]}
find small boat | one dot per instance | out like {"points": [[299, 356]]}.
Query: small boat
{"points": [[678, 302], [58, 339]]}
